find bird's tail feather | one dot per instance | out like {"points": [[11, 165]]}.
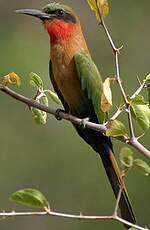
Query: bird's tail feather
{"points": [[114, 175], [103, 146]]}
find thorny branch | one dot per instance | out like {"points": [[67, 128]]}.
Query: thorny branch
{"points": [[132, 140], [75, 120], [117, 52], [114, 217]]}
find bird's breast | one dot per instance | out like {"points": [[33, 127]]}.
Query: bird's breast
{"points": [[67, 80]]}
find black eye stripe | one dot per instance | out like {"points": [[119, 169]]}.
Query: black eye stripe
{"points": [[61, 14]]}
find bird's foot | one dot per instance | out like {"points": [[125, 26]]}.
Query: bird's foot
{"points": [[83, 122], [57, 114]]}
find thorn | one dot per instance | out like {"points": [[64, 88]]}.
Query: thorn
{"points": [[118, 49], [37, 94], [40, 96], [81, 214], [3, 217], [83, 122], [142, 135], [29, 107], [48, 209], [117, 107], [138, 79]]}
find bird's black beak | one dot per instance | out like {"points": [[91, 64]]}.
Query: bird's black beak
{"points": [[35, 13]]}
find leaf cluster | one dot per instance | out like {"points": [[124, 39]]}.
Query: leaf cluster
{"points": [[41, 96]]}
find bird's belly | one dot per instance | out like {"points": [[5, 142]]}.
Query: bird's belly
{"points": [[69, 85]]}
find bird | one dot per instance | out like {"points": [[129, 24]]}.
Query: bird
{"points": [[78, 84]]}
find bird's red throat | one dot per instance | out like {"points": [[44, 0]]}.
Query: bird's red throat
{"points": [[59, 31]]}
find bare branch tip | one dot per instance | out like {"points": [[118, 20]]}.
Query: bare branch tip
{"points": [[119, 49]]}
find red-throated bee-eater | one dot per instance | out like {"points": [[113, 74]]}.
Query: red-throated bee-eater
{"points": [[78, 84]]}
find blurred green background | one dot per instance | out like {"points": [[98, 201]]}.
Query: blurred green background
{"points": [[53, 158]]}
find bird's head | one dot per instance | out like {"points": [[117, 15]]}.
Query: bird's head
{"points": [[59, 20]]}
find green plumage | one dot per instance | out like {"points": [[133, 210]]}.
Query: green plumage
{"points": [[91, 81]]}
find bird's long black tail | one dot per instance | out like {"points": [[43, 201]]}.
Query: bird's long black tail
{"points": [[102, 145], [115, 179]]}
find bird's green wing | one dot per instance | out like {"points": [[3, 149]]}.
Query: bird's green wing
{"points": [[91, 81]]}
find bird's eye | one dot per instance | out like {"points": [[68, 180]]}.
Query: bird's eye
{"points": [[60, 12]]}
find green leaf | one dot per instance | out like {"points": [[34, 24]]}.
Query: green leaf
{"points": [[148, 78], [126, 157], [30, 197], [140, 111], [39, 116], [132, 229], [35, 80], [139, 100], [44, 100], [53, 96], [116, 128], [148, 92], [142, 165]]}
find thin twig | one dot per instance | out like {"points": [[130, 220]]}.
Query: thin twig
{"points": [[117, 113], [118, 200], [117, 52], [137, 92]]}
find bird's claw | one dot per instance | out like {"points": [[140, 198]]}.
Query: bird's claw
{"points": [[83, 122], [57, 114]]}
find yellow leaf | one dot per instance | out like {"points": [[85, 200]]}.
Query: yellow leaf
{"points": [[12, 79], [99, 7], [106, 98]]}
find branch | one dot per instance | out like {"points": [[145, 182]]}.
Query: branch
{"points": [[75, 120], [71, 216], [118, 200], [132, 140], [79, 217], [137, 92], [117, 52]]}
